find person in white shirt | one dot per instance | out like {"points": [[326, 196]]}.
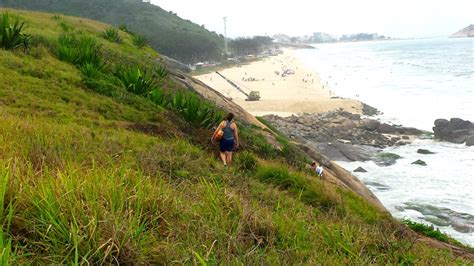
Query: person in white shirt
{"points": [[319, 170]]}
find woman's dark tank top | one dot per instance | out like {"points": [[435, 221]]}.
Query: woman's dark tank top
{"points": [[228, 131]]}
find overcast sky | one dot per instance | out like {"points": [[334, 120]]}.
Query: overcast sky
{"points": [[395, 18]]}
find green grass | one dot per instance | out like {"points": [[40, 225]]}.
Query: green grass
{"points": [[96, 176], [431, 231]]}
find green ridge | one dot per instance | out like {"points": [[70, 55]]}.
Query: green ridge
{"points": [[166, 31]]}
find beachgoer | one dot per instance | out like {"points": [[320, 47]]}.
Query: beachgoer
{"points": [[319, 170], [230, 139]]}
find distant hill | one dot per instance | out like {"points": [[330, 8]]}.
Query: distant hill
{"points": [[466, 32], [167, 33]]}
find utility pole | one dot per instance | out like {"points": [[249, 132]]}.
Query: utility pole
{"points": [[225, 36]]}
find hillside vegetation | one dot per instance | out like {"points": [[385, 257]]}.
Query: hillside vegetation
{"points": [[105, 159], [165, 31]]}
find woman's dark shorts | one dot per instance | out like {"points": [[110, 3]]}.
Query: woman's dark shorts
{"points": [[227, 145]]}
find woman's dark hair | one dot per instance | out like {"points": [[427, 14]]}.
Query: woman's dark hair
{"points": [[229, 117]]}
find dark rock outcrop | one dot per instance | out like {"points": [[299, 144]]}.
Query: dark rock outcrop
{"points": [[369, 124], [386, 158], [470, 140], [369, 110], [419, 162], [424, 151], [360, 170], [455, 130], [386, 128], [342, 135]]}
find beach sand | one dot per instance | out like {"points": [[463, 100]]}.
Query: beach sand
{"points": [[301, 92]]}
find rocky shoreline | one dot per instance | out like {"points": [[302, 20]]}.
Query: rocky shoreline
{"points": [[343, 136]]}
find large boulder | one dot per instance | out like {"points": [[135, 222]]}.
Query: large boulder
{"points": [[369, 124], [470, 140], [424, 151], [441, 123], [409, 131], [386, 128], [419, 162], [386, 158], [360, 170], [455, 130]]}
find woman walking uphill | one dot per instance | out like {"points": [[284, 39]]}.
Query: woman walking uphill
{"points": [[228, 136]]}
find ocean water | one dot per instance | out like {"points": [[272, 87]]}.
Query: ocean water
{"points": [[413, 82]]}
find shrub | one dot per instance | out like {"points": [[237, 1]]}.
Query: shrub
{"points": [[256, 142], [112, 35], [139, 40], [66, 27], [427, 230], [90, 70], [246, 161], [161, 72], [79, 51], [294, 156], [124, 28], [135, 80], [196, 110], [12, 34], [159, 97], [191, 107], [56, 17]]}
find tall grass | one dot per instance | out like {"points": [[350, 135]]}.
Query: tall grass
{"points": [[12, 33], [79, 50], [6, 215]]}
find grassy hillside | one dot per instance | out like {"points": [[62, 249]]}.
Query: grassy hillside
{"points": [[166, 32], [98, 167]]}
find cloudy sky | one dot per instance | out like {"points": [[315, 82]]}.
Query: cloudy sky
{"points": [[395, 18]]}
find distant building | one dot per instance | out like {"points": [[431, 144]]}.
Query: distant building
{"points": [[322, 37]]}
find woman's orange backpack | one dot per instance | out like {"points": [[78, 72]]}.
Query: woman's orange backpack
{"points": [[218, 136]]}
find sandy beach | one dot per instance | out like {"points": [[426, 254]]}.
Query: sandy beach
{"points": [[299, 91]]}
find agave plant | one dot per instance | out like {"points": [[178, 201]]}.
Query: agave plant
{"points": [[161, 72], [112, 35], [89, 52], [135, 80], [195, 110], [124, 28], [139, 40], [90, 70], [159, 97], [12, 34]]}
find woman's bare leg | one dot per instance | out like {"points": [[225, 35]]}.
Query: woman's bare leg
{"points": [[228, 155], [224, 157]]}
